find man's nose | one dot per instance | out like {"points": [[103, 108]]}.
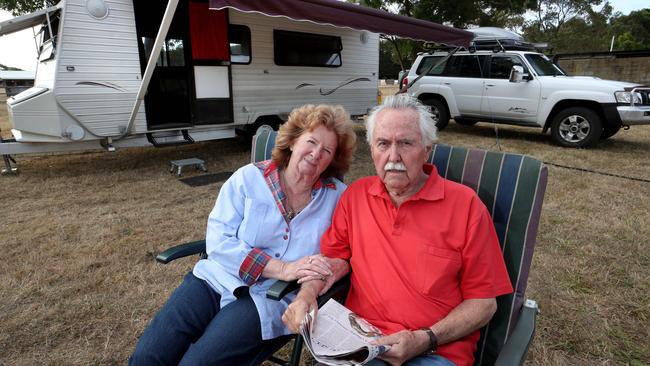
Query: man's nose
{"points": [[393, 154]]}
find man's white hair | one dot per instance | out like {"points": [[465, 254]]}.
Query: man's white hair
{"points": [[404, 101]]}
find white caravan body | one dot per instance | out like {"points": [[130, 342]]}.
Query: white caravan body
{"points": [[87, 89], [219, 67]]}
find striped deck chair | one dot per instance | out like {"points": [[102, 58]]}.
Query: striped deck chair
{"points": [[512, 187]]}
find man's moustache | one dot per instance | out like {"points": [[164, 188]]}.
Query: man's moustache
{"points": [[395, 166]]}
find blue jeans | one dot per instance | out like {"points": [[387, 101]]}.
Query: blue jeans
{"points": [[192, 329], [429, 360]]}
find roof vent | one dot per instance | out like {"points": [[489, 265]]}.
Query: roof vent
{"points": [[97, 9]]}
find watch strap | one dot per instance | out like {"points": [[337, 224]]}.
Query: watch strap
{"points": [[433, 341]]}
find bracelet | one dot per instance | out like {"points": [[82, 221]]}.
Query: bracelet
{"points": [[433, 341]]}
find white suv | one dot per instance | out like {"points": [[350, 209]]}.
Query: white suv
{"points": [[525, 88]]}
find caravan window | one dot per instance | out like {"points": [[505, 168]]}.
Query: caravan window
{"points": [[306, 49], [171, 54], [47, 46], [239, 37]]}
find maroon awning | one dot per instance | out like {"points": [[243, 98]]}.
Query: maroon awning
{"points": [[342, 14]]}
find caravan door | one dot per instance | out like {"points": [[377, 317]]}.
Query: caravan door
{"points": [[191, 82], [169, 96]]}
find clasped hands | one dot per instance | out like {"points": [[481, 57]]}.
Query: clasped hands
{"points": [[309, 268]]}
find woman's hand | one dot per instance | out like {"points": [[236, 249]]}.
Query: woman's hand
{"points": [[313, 267]]}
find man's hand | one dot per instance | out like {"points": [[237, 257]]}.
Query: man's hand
{"points": [[404, 345], [296, 311]]}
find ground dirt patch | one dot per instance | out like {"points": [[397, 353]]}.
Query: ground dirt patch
{"points": [[78, 282]]}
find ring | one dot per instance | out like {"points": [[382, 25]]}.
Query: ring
{"points": [[309, 260]]}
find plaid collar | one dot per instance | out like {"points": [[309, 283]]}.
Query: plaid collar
{"points": [[271, 173]]}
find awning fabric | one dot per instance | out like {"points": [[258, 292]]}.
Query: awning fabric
{"points": [[342, 14], [25, 21]]}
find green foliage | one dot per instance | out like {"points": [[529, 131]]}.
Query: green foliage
{"points": [[9, 68], [573, 26], [632, 31], [20, 7]]}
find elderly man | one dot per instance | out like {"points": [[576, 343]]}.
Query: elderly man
{"points": [[425, 259]]}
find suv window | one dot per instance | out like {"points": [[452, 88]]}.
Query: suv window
{"points": [[466, 66], [428, 62], [543, 66], [500, 66]]}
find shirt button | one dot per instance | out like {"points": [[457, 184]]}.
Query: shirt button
{"points": [[285, 237], [277, 255], [286, 230]]}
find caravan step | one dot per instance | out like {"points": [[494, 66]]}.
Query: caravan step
{"points": [[170, 138], [179, 164]]}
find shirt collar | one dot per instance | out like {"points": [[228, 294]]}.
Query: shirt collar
{"points": [[433, 189], [270, 167]]}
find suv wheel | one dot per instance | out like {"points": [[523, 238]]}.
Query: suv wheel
{"points": [[465, 122], [576, 127], [438, 112]]}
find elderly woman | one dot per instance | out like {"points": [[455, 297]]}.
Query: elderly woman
{"points": [[266, 225]]}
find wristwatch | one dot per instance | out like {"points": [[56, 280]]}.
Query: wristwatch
{"points": [[433, 341]]}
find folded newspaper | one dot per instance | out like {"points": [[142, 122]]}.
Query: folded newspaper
{"points": [[338, 336]]}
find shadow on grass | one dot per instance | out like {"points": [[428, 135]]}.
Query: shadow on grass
{"points": [[150, 160]]}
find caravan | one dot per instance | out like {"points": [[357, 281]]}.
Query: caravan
{"points": [[132, 72]]}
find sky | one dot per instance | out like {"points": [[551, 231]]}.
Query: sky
{"points": [[18, 49]]}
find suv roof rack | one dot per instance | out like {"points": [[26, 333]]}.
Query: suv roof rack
{"points": [[498, 39], [502, 44]]}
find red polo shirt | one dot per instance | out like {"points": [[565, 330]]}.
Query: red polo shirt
{"points": [[412, 265]]}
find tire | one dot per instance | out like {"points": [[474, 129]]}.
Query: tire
{"points": [[609, 131], [438, 112], [576, 127], [465, 122]]}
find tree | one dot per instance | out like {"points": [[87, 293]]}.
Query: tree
{"points": [[571, 25], [19, 7], [574, 26], [552, 15], [632, 31]]}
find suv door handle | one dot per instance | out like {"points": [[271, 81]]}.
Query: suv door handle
{"points": [[490, 84], [447, 83]]}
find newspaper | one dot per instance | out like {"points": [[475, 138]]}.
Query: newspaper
{"points": [[340, 337]]}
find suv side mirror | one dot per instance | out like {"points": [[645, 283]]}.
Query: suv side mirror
{"points": [[516, 74]]}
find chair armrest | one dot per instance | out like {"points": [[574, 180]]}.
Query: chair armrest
{"points": [[281, 288], [180, 251], [515, 349]]}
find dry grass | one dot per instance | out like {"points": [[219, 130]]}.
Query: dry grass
{"points": [[78, 282]]}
